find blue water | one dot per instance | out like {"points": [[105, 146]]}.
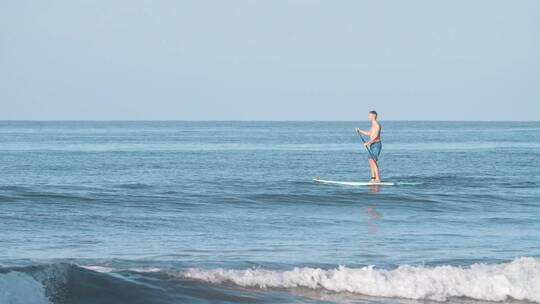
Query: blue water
{"points": [[163, 206]]}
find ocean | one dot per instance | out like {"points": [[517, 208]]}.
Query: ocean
{"points": [[227, 212]]}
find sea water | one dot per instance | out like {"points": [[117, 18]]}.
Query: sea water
{"points": [[227, 212]]}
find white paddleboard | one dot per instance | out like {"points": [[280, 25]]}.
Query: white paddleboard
{"points": [[329, 182]]}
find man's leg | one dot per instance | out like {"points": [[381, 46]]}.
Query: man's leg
{"points": [[374, 170], [371, 168]]}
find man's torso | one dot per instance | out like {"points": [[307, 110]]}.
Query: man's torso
{"points": [[375, 131]]}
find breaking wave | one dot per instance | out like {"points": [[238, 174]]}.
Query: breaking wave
{"points": [[518, 279], [69, 283], [20, 288], [32, 284]]}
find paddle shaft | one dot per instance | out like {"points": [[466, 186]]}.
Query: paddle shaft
{"points": [[367, 148]]}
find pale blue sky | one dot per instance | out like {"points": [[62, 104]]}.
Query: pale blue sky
{"points": [[270, 60]]}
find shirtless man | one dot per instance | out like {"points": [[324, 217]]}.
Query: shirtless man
{"points": [[373, 145]]}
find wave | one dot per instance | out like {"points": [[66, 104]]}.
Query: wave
{"points": [[134, 283], [64, 283], [20, 288], [32, 284], [518, 280]]}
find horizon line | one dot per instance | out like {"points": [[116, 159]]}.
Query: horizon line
{"points": [[254, 120]]}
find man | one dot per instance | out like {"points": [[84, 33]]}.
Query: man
{"points": [[374, 145]]}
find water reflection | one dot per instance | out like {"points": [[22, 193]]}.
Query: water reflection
{"points": [[372, 217], [374, 188]]}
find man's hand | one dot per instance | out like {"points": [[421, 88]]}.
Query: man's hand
{"points": [[362, 132]]}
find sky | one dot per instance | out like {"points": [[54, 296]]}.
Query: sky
{"points": [[269, 60]]}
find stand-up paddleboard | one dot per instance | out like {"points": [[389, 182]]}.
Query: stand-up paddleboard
{"points": [[329, 182]]}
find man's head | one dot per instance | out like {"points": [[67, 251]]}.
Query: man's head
{"points": [[372, 115]]}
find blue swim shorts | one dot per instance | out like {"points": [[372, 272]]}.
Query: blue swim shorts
{"points": [[375, 149]]}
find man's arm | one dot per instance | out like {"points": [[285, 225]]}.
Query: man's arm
{"points": [[373, 134], [366, 133]]}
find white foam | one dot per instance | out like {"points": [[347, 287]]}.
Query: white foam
{"points": [[104, 269], [147, 270], [519, 279], [19, 288], [97, 268]]}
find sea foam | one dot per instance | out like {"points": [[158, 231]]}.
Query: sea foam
{"points": [[518, 279], [20, 288]]}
